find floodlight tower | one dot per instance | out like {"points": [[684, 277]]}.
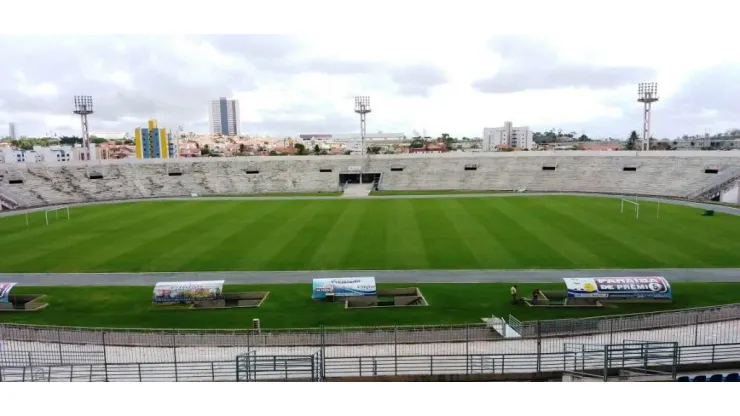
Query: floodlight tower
{"points": [[84, 107], [362, 107], [647, 93]]}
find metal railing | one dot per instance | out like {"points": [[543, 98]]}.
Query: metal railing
{"points": [[317, 368]]}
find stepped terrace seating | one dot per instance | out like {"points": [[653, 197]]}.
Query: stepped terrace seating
{"points": [[668, 174]]}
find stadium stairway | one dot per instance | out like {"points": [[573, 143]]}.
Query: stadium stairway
{"points": [[356, 190]]}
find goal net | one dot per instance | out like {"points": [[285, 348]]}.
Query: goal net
{"points": [[54, 213]]}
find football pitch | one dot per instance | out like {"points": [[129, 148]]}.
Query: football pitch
{"points": [[531, 232]]}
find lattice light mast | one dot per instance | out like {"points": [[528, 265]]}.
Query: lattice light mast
{"points": [[647, 93], [362, 107], [84, 107]]}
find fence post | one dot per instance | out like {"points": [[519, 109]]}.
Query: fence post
{"points": [[696, 329], [105, 358], [539, 345], [611, 331], [322, 369], [395, 349], [467, 349], [59, 343], [174, 352]]}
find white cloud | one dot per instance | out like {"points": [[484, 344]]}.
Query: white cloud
{"points": [[424, 65]]}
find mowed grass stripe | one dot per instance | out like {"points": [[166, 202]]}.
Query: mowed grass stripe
{"points": [[698, 237], [476, 238], [332, 252], [405, 249], [582, 223], [626, 231], [368, 243], [561, 236], [160, 236], [527, 240], [218, 244], [37, 230], [488, 219], [276, 231], [497, 233], [446, 248], [92, 232], [298, 250]]}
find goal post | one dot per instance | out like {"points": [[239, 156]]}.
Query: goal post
{"points": [[54, 211], [636, 204], [631, 202]]}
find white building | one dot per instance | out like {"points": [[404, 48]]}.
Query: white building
{"points": [[41, 154], [224, 117], [507, 136]]}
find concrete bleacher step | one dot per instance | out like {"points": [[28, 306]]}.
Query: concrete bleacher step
{"points": [[357, 190]]}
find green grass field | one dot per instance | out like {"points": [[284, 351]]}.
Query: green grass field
{"points": [[291, 306], [553, 232]]}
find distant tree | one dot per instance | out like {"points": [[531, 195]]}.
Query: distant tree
{"points": [[205, 151], [98, 140], [70, 140], [273, 153], [316, 149], [583, 138], [301, 149], [128, 141], [242, 149], [373, 150], [632, 141], [417, 143]]}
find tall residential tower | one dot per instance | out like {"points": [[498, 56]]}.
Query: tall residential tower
{"points": [[223, 117]]}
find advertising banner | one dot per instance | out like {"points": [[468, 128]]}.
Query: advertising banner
{"points": [[187, 292], [653, 287], [343, 287], [5, 291]]}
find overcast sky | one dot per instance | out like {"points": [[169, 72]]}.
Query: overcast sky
{"points": [[563, 73]]}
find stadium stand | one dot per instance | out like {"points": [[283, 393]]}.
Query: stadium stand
{"points": [[686, 175]]}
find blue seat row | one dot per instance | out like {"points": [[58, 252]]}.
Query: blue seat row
{"points": [[732, 377]]}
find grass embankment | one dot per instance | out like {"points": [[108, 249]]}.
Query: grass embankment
{"points": [[290, 306], [533, 232]]}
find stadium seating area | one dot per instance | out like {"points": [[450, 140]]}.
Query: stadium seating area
{"points": [[732, 377], [669, 174]]}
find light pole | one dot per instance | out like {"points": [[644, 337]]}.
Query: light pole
{"points": [[362, 107], [84, 107], [647, 93]]}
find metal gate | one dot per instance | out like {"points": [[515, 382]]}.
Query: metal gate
{"points": [[253, 367]]}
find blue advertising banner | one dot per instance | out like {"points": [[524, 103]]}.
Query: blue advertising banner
{"points": [[343, 287]]}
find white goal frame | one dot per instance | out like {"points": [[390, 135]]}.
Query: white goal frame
{"points": [[635, 203], [55, 210]]}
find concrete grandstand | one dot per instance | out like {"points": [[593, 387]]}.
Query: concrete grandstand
{"points": [[686, 175]]}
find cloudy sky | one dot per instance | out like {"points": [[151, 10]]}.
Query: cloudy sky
{"points": [[553, 69]]}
